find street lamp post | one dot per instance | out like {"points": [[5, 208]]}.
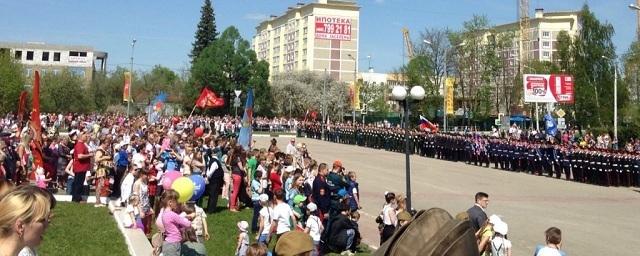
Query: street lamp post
{"points": [[355, 75], [370, 69], [615, 99], [133, 44], [324, 108], [399, 93]]}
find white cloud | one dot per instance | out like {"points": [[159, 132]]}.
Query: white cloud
{"points": [[255, 16]]}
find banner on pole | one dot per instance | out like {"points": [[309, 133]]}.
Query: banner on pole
{"points": [[548, 88], [355, 100], [127, 84], [448, 82]]}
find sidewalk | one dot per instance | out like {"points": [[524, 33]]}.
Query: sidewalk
{"points": [[136, 240]]}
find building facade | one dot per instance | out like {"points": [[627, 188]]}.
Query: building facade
{"points": [[316, 36], [80, 60]]}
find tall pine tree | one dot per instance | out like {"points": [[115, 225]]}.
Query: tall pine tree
{"points": [[206, 32]]}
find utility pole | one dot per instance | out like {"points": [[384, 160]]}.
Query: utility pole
{"points": [[355, 84]]}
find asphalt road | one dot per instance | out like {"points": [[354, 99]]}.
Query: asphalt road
{"points": [[594, 220]]}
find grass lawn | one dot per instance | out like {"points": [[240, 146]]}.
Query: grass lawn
{"points": [[81, 229], [223, 231]]}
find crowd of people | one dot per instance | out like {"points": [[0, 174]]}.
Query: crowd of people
{"points": [[582, 159], [126, 161]]}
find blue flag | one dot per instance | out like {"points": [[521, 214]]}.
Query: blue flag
{"points": [[247, 120], [551, 125]]}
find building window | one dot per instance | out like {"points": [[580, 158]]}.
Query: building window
{"points": [[78, 54], [18, 55], [546, 34], [546, 44], [56, 71], [545, 54], [29, 55], [77, 71], [43, 72], [56, 56], [45, 56], [28, 72]]}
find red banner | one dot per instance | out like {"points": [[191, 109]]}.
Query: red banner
{"points": [[36, 126], [22, 103], [209, 99], [333, 28]]}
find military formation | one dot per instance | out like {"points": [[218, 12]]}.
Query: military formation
{"points": [[587, 165]]}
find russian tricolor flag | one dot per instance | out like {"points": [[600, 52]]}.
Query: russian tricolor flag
{"points": [[425, 124]]}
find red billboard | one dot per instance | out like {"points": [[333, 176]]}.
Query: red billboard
{"points": [[333, 28], [548, 88]]}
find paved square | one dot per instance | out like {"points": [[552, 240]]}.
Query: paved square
{"points": [[594, 220]]}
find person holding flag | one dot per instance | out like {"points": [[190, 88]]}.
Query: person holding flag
{"points": [[425, 124]]}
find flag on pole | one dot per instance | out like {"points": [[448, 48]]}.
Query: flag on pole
{"points": [[244, 139], [127, 84], [209, 99], [36, 126], [551, 125], [426, 124]]}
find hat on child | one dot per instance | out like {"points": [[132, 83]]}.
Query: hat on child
{"points": [[501, 228], [243, 225], [312, 207], [299, 199], [294, 243], [342, 192], [264, 198]]}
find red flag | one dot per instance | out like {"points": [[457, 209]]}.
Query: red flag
{"points": [[22, 102], [36, 126], [127, 85], [208, 99]]}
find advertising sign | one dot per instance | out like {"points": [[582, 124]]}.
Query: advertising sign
{"points": [[449, 98], [333, 28], [548, 88]]}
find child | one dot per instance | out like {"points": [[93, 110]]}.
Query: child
{"points": [[314, 227], [199, 222], [264, 221], [134, 212], [256, 190], [352, 190], [243, 239], [190, 244], [172, 223], [41, 179], [500, 245], [298, 210]]}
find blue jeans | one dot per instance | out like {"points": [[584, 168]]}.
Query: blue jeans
{"points": [[256, 212], [264, 239], [350, 235], [69, 184]]}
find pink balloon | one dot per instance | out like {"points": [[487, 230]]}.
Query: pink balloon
{"points": [[169, 177]]}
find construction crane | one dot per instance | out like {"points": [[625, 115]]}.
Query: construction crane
{"points": [[408, 45], [523, 19]]}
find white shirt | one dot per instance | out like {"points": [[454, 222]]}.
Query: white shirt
{"points": [[315, 227], [548, 251], [291, 149], [127, 187], [267, 216], [282, 213], [500, 246]]}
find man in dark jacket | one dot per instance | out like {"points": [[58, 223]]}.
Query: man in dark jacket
{"points": [[477, 214], [341, 234], [321, 192]]}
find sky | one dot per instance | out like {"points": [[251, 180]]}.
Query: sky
{"points": [[164, 29]]}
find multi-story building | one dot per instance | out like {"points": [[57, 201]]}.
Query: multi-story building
{"points": [[316, 36], [80, 60]]}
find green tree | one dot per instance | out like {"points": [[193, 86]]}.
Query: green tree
{"points": [[11, 82], [206, 32], [64, 92]]}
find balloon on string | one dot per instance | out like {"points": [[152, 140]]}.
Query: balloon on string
{"points": [[199, 186], [184, 186], [199, 132], [169, 178]]}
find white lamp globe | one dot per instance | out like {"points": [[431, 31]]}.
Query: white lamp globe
{"points": [[399, 92], [417, 92]]}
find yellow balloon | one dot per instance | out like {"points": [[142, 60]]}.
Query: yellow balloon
{"points": [[184, 186]]}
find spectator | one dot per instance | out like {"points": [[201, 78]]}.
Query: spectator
{"points": [[283, 217], [256, 190], [172, 223], [243, 239], [321, 193], [257, 249], [191, 246], [24, 218], [264, 221], [199, 222], [477, 214], [126, 187], [353, 190], [553, 243], [389, 218], [294, 243], [81, 164], [215, 175], [314, 227], [500, 245], [340, 235], [485, 234]]}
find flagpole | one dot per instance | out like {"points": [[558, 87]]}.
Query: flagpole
{"points": [[194, 109]]}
